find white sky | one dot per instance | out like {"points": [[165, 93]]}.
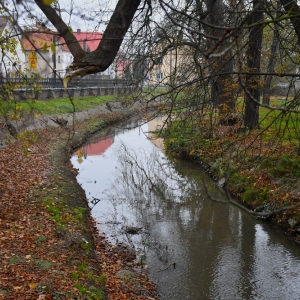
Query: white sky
{"points": [[87, 15]]}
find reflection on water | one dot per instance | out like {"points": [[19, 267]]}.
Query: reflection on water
{"points": [[219, 251]]}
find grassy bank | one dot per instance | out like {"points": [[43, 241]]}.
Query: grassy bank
{"points": [[64, 105], [260, 167]]}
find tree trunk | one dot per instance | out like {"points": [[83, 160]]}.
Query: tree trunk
{"points": [[252, 98], [293, 11], [272, 60], [222, 97]]}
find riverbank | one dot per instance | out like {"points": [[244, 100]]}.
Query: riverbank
{"points": [[258, 169], [51, 249], [49, 246]]}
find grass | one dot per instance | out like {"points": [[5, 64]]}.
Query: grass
{"points": [[279, 124], [64, 105], [262, 164]]}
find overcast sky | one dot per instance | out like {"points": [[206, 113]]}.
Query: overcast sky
{"points": [[87, 15]]}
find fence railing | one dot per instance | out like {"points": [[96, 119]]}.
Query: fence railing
{"points": [[58, 83]]}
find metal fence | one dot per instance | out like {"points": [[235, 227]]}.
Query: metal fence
{"points": [[58, 83]]}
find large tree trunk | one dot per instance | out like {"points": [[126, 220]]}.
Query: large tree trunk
{"points": [[292, 8], [272, 60], [100, 59], [222, 97], [252, 98]]}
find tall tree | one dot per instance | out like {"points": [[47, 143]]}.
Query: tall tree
{"points": [[272, 59], [219, 55], [252, 88], [292, 10]]}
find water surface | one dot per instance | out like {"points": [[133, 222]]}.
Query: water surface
{"points": [[219, 251]]}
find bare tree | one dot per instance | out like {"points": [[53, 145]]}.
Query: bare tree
{"points": [[253, 63]]}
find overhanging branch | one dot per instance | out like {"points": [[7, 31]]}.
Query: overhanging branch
{"points": [[100, 59]]}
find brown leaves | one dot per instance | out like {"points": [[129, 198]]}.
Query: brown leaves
{"points": [[118, 258], [36, 262]]}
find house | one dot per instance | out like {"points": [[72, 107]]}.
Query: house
{"points": [[45, 52], [89, 41], [40, 50], [122, 68], [176, 66]]}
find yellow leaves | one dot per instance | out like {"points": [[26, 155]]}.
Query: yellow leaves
{"points": [[280, 69], [53, 47], [192, 152], [235, 86], [32, 60], [45, 47], [48, 2], [18, 107], [15, 116], [80, 155], [32, 286], [65, 82], [286, 196]]}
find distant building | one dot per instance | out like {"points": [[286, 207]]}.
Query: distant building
{"points": [[39, 50], [89, 41], [176, 66], [45, 53], [123, 69]]}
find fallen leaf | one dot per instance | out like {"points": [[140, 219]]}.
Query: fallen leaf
{"points": [[32, 286]]}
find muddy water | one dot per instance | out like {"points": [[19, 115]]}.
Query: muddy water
{"points": [[195, 246]]}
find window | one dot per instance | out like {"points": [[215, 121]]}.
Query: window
{"points": [[159, 61], [159, 75]]}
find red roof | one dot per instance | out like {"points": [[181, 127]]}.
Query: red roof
{"points": [[37, 40], [95, 148], [122, 64], [88, 40]]}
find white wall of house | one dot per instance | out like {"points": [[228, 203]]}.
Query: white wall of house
{"points": [[63, 60], [45, 66]]}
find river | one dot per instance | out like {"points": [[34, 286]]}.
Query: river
{"points": [[194, 246]]}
